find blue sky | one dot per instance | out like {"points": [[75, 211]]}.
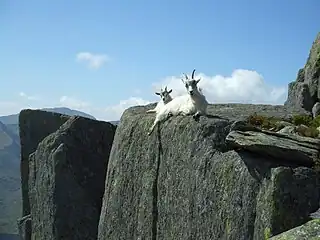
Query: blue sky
{"points": [[141, 45]]}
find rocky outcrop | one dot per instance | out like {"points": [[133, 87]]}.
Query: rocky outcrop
{"points": [[305, 91], [66, 180], [189, 181], [34, 126], [308, 231], [63, 167], [287, 147]]}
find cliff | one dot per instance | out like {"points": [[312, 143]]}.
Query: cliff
{"points": [[207, 179], [304, 92]]}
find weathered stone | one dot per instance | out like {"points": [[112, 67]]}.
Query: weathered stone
{"points": [[316, 214], [34, 126], [182, 182], [299, 96], [66, 180], [24, 227], [316, 110], [282, 124], [291, 148], [242, 126], [305, 91], [287, 130], [307, 231]]}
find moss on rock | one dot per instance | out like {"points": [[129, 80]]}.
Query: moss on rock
{"points": [[309, 230]]}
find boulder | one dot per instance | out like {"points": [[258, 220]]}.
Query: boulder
{"points": [[185, 182], [66, 180], [307, 231]]}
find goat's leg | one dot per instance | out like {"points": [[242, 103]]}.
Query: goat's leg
{"points": [[152, 127], [159, 118]]}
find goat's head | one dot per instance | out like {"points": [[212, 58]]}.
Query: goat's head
{"points": [[165, 95], [191, 84]]}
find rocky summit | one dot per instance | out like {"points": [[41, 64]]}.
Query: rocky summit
{"points": [[244, 172], [206, 179]]}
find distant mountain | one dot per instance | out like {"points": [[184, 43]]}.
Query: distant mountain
{"points": [[10, 193], [114, 122], [14, 118]]}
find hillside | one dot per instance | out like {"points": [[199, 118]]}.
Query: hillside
{"points": [[10, 195]]}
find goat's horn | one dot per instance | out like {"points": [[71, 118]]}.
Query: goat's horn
{"points": [[186, 76], [192, 75], [165, 88]]}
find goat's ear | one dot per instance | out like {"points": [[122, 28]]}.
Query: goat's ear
{"points": [[157, 93], [198, 80], [182, 80], [170, 91]]}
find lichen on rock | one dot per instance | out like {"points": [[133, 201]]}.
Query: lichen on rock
{"points": [[187, 182]]}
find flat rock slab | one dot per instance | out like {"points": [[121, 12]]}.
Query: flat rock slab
{"points": [[290, 148]]}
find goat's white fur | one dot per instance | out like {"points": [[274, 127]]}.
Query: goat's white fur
{"points": [[192, 103], [165, 98]]}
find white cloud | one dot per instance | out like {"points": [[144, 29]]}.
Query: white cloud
{"points": [[243, 86], [115, 112], [94, 61], [74, 103], [28, 97]]}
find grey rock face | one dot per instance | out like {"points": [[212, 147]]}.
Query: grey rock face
{"points": [[316, 110], [304, 92], [184, 181], [66, 180], [34, 126], [316, 214], [291, 148], [287, 130]]}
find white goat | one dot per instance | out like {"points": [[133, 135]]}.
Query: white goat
{"points": [[165, 98], [192, 103]]}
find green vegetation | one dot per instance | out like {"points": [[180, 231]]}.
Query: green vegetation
{"points": [[304, 124], [264, 122]]}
